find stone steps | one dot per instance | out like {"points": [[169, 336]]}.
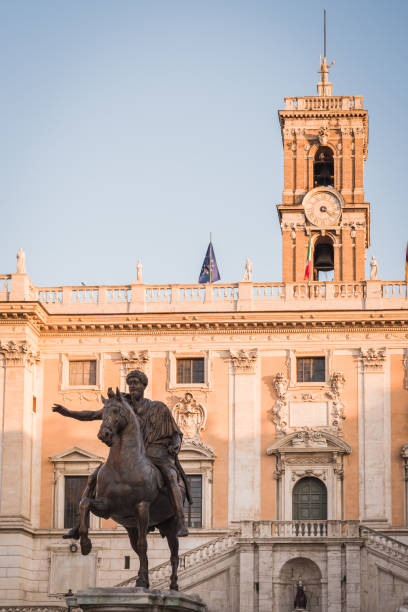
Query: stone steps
{"points": [[160, 574]]}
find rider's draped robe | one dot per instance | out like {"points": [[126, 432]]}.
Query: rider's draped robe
{"points": [[158, 427]]}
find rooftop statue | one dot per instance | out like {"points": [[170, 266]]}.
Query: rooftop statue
{"points": [[142, 485], [373, 268], [248, 270], [21, 267]]}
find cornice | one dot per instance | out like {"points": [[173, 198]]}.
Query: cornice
{"points": [[255, 322]]}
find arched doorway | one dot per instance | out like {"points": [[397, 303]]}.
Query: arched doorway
{"points": [[311, 576], [309, 500]]}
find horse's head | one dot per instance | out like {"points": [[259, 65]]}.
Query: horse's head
{"points": [[116, 416]]}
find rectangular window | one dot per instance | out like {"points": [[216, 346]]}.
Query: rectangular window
{"points": [[310, 369], [190, 371], [74, 485], [193, 512], [82, 373]]}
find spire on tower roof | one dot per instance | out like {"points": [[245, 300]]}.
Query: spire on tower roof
{"points": [[324, 87]]}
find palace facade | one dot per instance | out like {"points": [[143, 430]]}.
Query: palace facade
{"points": [[292, 397]]}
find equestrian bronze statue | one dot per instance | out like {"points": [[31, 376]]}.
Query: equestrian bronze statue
{"points": [[142, 485]]}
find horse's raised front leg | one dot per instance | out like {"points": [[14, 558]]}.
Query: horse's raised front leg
{"points": [[138, 540], [98, 506]]}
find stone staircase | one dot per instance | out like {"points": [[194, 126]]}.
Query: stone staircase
{"points": [[390, 548], [159, 576]]}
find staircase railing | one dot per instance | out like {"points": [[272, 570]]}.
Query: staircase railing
{"points": [[193, 557], [385, 544]]}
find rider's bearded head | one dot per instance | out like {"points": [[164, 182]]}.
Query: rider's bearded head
{"points": [[135, 379]]}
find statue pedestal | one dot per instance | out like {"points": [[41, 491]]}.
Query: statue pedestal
{"points": [[127, 599]]}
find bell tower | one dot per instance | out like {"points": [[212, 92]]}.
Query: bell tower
{"points": [[325, 140]]}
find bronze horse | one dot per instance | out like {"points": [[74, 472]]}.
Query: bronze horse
{"points": [[129, 488]]}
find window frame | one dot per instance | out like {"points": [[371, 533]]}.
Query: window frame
{"points": [[293, 357], [191, 360], [72, 462], [311, 382], [187, 506], [65, 360], [197, 459], [172, 358]]}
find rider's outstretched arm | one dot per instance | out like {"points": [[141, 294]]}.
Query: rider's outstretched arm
{"points": [[80, 415]]}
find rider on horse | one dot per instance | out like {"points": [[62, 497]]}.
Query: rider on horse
{"points": [[162, 439]]}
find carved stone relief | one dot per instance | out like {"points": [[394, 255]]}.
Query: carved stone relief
{"points": [[329, 397], [373, 359], [244, 361], [80, 396], [309, 438], [18, 353], [134, 360], [279, 412], [190, 416], [297, 474], [323, 135]]}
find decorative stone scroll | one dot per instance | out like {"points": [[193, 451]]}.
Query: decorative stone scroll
{"points": [[309, 438], [135, 360], [18, 353], [280, 413], [406, 369], [244, 361], [373, 359], [337, 381], [190, 416]]}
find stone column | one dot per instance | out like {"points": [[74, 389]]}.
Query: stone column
{"points": [[374, 437], [353, 577], [244, 438], [334, 578]]}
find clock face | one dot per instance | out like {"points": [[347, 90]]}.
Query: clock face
{"points": [[322, 207]]}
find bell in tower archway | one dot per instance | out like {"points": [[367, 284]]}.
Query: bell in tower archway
{"points": [[323, 258]]}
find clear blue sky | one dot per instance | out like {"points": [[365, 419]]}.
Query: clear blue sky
{"points": [[133, 128]]}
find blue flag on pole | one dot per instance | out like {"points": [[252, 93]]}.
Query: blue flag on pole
{"points": [[209, 272]]}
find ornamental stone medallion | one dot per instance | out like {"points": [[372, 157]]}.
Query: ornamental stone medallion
{"points": [[190, 416]]}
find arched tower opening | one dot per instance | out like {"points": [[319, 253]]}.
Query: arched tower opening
{"points": [[323, 168], [323, 259]]}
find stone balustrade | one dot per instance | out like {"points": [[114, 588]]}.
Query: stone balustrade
{"points": [[300, 529], [336, 103], [384, 544], [217, 297]]}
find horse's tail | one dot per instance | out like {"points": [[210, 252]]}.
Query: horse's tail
{"points": [[185, 480]]}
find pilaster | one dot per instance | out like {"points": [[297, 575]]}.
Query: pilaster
{"points": [[334, 578], [244, 438], [374, 437], [16, 403]]}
